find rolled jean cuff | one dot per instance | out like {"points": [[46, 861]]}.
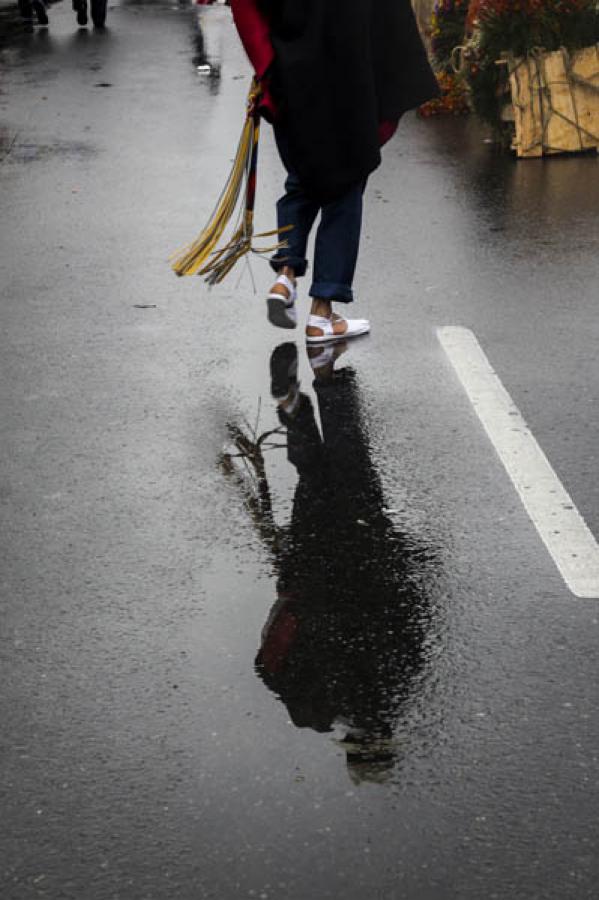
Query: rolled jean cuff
{"points": [[297, 263], [327, 290]]}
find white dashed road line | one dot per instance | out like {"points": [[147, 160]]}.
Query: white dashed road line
{"points": [[561, 527]]}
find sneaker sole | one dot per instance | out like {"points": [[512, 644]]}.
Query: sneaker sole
{"points": [[278, 314]]}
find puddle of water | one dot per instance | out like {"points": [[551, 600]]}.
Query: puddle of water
{"points": [[347, 642]]}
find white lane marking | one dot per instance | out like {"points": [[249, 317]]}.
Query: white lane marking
{"points": [[561, 527]]}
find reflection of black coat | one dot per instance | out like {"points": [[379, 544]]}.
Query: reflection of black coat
{"points": [[342, 67], [345, 638]]}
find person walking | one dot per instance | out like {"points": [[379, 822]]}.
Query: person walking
{"points": [[98, 12], [336, 77], [28, 7]]}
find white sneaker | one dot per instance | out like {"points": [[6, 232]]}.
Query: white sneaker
{"points": [[325, 325]]}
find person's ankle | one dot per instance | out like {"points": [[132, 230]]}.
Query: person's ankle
{"points": [[321, 308], [289, 272]]}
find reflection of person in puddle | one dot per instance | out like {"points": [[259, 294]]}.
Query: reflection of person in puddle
{"points": [[344, 641]]}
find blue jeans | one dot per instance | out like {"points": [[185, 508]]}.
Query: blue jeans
{"points": [[337, 238]]}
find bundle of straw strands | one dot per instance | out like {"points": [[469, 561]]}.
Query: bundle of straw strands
{"points": [[202, 257]]}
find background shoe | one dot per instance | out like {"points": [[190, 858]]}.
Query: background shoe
{"points": [[40, 11], [80, 7], [26, 10]]}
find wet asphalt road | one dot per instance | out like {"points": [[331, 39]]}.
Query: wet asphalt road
{"points": [[314, 651]]}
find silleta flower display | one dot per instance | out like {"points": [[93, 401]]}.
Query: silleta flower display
{"points": [[447, 26], [517, 28]]}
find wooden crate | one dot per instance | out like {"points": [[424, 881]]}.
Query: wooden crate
{"points": [[556, 102]]}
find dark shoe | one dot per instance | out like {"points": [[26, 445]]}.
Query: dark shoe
{"points": [[26, 10], [40, 11], [98, 13], [80, 7]]}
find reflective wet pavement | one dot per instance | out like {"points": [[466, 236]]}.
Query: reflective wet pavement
{"points": [[271, 633]]}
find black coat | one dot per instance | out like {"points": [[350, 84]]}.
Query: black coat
{"points": [[343, 67]]}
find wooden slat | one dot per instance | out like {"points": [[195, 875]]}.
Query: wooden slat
{"points": [[526, 95], [561, 133], [554, 113], [585, 65]]}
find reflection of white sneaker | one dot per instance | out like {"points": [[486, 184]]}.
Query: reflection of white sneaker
{"points": [[327, 333], [283, 370], [281, 309], [322, 357], [325, 354]]}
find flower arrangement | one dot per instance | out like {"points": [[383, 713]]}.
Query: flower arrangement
{"points": [[448, 23], [516, 28], [453, 98]]}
